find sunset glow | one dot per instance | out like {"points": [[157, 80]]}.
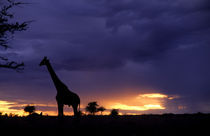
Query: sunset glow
{"points": [[5, 107], [126, 104], [142, 102], [137, 108], [138, 56], [154, 95]]}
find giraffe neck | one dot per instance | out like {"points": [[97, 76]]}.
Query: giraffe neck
{"points": [[57, 82]]}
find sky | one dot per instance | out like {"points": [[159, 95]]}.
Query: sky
{"points": [[137, 56]]}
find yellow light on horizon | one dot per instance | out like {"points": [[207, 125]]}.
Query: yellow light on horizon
{"points": [[152, 106], [5, 107], [136, 108], [153, 95], [130, 103]]}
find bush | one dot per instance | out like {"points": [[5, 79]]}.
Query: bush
{"points": [[114, 112], [30, 109]]}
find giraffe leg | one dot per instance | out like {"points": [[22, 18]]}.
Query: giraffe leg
{"points": [[75, 109], [60, 109]]}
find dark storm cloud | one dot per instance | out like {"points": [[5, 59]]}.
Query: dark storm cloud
{"points": [[162, 45], [87, 35]]}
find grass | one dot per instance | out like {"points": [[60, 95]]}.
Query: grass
{"points": [[141, 125]]}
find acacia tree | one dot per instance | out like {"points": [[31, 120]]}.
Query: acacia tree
{"points": [[7, 30], [92, 107], [101, 109], [30, 109], [114, 112]]}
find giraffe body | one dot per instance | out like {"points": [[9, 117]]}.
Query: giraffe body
{"points": [[64, 95]]}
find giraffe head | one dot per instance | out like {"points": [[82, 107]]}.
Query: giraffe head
{"points": [[44, 61]]}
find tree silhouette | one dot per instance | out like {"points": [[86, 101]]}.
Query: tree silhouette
{"points": [[7, 30], [114, 112], [30, 109], [92, 108], [101, 109]]}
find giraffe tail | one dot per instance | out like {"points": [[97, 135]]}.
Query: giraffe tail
{"points": [[79, 112], [78, 107]]}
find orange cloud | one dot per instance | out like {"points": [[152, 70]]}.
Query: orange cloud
{"points": [[142, 102], [157, 95], [17, 109], [5, 107], [153, 95], [136, 108], [131, 103]]}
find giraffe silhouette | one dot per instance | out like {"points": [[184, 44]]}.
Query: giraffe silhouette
{"points": [[64, 95]]}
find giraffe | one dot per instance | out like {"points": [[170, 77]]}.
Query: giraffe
{"points": [[64, 95]]}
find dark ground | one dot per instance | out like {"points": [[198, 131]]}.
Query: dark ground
{"points": [[142, 125]]}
